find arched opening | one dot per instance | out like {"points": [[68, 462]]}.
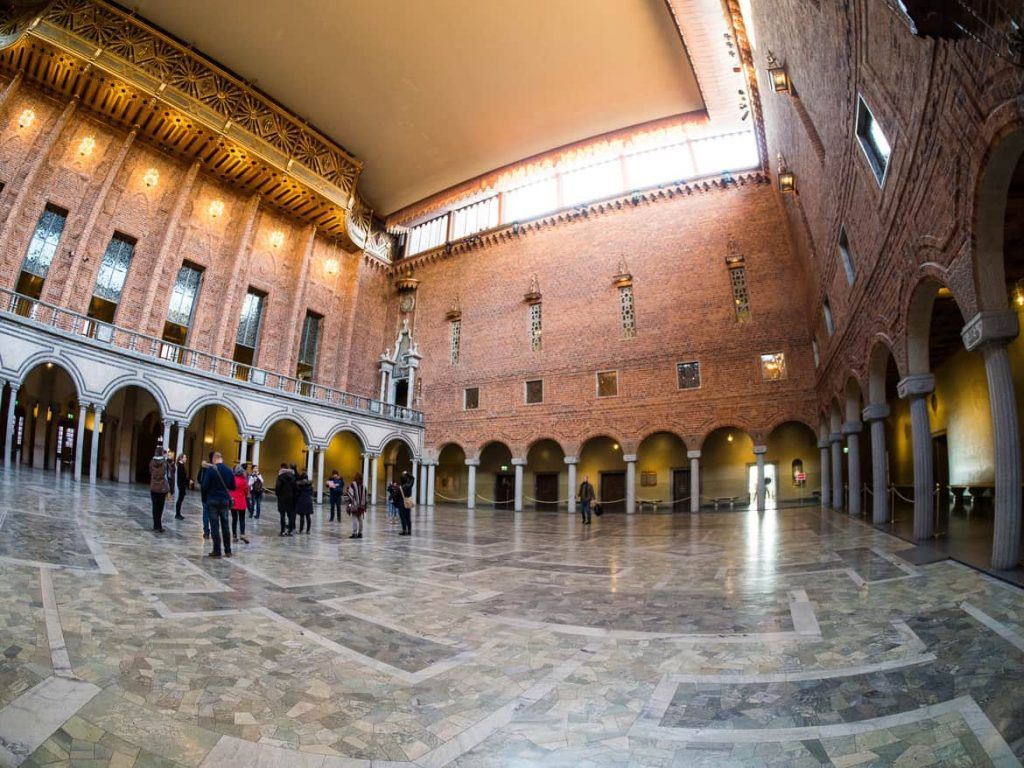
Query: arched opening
{"points": [[46, 414], [285, 443], [495, 477], [727, 465], [544, 480], [601, 461], [345, 454], [663, 472], [395, 458], [214, 428], [793, 452], [856, 450], [892, 467], [451, 481], [132, 429]]}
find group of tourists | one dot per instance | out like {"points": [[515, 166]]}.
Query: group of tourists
{"points": [[239, 493]]}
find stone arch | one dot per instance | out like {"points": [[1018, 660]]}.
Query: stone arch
{"points": [[529, 447], [786, 419], [736, 424], [400, 437], [919, 320], [193, 410], [296, 419], [853, 399], [47, 358], [350, 428], [134, 381], [878, 367]]}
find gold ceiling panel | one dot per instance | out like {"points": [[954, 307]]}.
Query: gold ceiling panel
{"points": [[135, 77]]}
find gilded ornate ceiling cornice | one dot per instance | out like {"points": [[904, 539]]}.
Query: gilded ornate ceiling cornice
{"points": [[117, 64]]}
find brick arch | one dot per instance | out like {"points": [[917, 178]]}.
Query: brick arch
{"points": [[790, 418], [527, 448], [917, 314], [578, 445], [737, 424], [668, 430], [853, 398], [882, 351]]}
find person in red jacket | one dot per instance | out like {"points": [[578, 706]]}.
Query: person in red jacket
{"points": [[239, 504]]}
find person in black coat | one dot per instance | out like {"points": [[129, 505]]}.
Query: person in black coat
{"points": [[397, 497], [181, 481], [304, 502], [284, 489]]}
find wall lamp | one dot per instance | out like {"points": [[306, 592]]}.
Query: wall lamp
{"points": [[777, 74], [26, 118], [786, 178]]}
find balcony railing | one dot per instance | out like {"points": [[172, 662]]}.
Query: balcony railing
{"points": [[100, 334]]}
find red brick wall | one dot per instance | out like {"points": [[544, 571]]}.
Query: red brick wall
{"points": [[675, 250]]}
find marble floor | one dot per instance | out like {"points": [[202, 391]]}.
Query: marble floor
{"points": [[790, 638]]}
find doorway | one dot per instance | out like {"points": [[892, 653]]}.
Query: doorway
{"points": [[613, 488], [771, 485], [546, 491], [504, 491], [680, 488]]}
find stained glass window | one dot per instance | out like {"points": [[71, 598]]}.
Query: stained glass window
{"points": [[252, 315], [309, 345], [43, 246], [456, 338], [773, 366], [114, 268], [627, 312], [688, 375], [184, 295], [740, 296], [535, 327]]}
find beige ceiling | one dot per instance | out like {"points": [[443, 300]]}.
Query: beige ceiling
{"points": [[429, 93]]}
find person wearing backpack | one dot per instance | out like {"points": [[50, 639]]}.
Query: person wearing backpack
{"points": [[335, 492], [355, 504], [159, 487], [255, 492], [218, 482]]}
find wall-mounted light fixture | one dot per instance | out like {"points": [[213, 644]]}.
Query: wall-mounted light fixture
{"points": [[1017, 294], [786, 178], [331, 267], [277, 238], [216, 208], [86, 146], [777, 74], [728, 437], [26, 118], [151, 177]]}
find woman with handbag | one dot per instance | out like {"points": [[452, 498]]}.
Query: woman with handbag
{"points": [[355, 504], [405, 512]]}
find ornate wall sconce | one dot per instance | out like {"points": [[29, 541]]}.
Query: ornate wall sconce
{"points": [[454, 311], [532, 295], [26, 118], [216, 208], [276, 238], [786, 178], [86, 146], [331, 267], [151, 177], [777, 74], [623, 277]]}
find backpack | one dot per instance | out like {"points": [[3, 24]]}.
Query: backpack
{"points": [[257, 486]]}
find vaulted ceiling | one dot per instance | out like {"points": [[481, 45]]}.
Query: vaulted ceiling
{"points": [[429, 94]]}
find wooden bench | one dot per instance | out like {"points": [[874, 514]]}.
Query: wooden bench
{"points": [[730, 500], [652, 503]]}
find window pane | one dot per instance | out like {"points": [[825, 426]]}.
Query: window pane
{"points": [[627, 312], [249, 324], [535, 327], [531, 200], [114, 268], [773, 366], [472, 401], [688, 375], [847, 256], [659, 166], [475, 218], [740, 296], [43, 246], [428, 235], [607, 383], [535, 391], [592, 183], [829, 323], [456, 339], [184, 295], [310, 342]]}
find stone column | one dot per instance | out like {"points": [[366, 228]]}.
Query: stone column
{"points": [[471, 464], [320, 475], [835, 439], [165, 440], [852, 431], [630, 459], [243, 450], [383, 383], [422, 482], [518, 501], [759, 452], [570, 463], [366, 468], [180, 435], [309, 460], [991, 332], [256, 451], [9, 426], [94, 448], [431, 470], [826, 487], [373, 480], [694, 457], [416, 481], [80, 441], [389, 473], [916, 389], [875, 415]]}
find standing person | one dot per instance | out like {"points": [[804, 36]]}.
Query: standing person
{"points": [[284, 489], [159, 487], [202, 494], [181, 481], [304, 501], [239, 504], [389, 499], [335, 492], [255, 492], [355, 502], [408, 482], [586, 497], [397, 497], [218, 482]]}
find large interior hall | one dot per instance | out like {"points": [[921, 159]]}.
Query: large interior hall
{"points": [[560, 383]]}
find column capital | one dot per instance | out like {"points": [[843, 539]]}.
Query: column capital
{"points": [[14, 385], [693, 454], [824, 444], [990, 327], [918, 385], [875, 412], [629, 458], [760, 450], [571, 460], [98, 408], [472, 462], [518, 462], [835, 437], [851, 427]]}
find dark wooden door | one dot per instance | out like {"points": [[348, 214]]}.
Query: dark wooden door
{"points": [[613, 491], [546, 491], [680, 489], [504, 491]]}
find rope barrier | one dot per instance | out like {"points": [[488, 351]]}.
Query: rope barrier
{"points": [[447, 498], [900, 495]]}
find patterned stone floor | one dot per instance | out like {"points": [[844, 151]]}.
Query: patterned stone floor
{"points": [[791, 638]]}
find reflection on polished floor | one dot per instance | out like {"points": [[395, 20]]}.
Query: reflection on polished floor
{"points": [[790, 638]]}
